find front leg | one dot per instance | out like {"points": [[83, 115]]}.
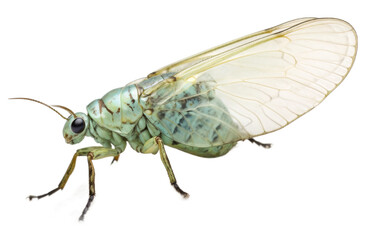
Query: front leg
{"points": [[92, 153]]}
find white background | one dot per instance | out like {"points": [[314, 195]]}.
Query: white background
{"points": [[322, 178]]}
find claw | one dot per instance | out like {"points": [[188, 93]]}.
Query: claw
{"points": [[31, 197], [179, 190]]}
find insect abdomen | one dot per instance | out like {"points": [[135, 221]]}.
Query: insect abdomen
{"points": [[118, 110], [194, 117], [208, 152]]}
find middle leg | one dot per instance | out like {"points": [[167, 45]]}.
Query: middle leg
{"points": [[167, 165]]}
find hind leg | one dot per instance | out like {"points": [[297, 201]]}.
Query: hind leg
{"points": [[264, 145]]}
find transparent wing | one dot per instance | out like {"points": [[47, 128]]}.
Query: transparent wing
{"points": [[262, 83], [197, 58]]}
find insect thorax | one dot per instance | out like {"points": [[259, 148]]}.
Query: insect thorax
{"points": [[141, 133], [117, 111], [105, 136]]}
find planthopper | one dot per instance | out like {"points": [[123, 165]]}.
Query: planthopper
{"points": [[205, 104]]}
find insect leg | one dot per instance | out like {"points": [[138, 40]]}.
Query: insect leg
{"points": [[167, 165], [264, 145], [94, 153], [91, 186], [62, 184]]}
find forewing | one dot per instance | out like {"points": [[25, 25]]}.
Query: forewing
{"points": [[213, 52], [265, 83]]}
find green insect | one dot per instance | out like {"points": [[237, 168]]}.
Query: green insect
{"points": [[205, 104]]}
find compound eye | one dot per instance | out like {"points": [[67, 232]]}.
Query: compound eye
{"points": [[78, 125]]}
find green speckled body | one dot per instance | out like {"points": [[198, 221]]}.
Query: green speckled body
{"points": [[124, 114], [205, 104]]}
